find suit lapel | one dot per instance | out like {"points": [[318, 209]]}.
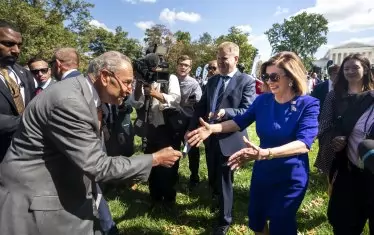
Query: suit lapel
{"points": [[230, 86], [23, 77], [90, 101], [213, 87], [5, 91]]}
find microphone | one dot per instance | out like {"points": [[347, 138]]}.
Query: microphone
{"points": [[151, 60]]}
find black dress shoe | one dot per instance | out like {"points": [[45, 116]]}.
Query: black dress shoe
{"points": [[221, 230]]}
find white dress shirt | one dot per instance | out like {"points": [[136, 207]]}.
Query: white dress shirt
{"points": [[172, 99]]}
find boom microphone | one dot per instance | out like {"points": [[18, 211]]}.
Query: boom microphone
{"points": [[151, 60]]}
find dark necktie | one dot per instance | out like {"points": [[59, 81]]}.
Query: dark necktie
{"points": [[15, 90], [221, 91], [100, 116], [38, 90]]}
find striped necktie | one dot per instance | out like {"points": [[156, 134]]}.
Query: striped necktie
{"points": [[15, 90], [221, 91]]}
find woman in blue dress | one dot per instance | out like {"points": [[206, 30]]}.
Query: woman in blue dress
{"points": [[286, 123]]}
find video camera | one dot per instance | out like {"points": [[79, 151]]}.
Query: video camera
{"points": [[153, 67]]}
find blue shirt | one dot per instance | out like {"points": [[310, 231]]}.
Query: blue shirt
{"points": [[278, 124]]}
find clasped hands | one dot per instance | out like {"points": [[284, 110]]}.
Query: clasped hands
{"points": [[250, 153]]}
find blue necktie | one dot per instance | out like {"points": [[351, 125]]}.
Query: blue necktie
{"points": [[221, 91]]}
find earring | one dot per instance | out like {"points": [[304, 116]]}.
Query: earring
{"points": [[290, 84]]}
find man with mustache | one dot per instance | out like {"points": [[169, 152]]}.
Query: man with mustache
{"points": [[16, 86]]}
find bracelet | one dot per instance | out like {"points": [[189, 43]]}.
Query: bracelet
{"points": [[270, 156]]}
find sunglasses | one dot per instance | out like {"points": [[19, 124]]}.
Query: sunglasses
{"points": [[36, 71], [212, 68], [274, 77], [10, 44]]}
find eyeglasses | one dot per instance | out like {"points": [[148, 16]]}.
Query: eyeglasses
{"points": [[212, 68], [127, 83], [184, 65], [10, 44], [274, 77], [36, 71]]}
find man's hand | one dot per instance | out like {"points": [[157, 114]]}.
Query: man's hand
{"points": [[166, 157], [217, 116], [152, 91], [339, 143]]}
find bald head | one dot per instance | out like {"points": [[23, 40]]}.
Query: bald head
{"points": [[68, 57]]}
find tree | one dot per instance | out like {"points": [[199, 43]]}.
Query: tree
{"points": [[42, 31], [158, 34], [184, 37], [103, 41], [302, 34], [247, 51]]}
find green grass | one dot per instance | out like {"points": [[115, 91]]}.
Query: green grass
{"points": [[131, 207]]}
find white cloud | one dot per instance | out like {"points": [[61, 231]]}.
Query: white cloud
{"points": [[345, 16], [245, 28], [262, 44], [281, 11], [137, 1], [143, 25], [171, 16], [98, 24]]}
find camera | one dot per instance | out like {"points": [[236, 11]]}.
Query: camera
{"points": [[153, 67]]}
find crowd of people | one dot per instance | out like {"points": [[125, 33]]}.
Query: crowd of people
{"points": [[65, 136]]}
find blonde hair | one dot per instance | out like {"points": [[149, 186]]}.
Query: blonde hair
{"points": [[293, 67], [230, 46]]}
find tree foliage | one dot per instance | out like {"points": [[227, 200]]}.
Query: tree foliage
{"points": [[103, 41], [302, 34], [158, 34], [247, 51]]}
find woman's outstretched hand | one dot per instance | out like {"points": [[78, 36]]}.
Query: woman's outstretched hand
{"points": [[196, 137]]}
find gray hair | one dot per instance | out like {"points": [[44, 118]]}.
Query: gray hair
{"points": [[111, 60]]}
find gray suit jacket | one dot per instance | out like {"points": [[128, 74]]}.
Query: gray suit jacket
{"points": [[54, 159]]}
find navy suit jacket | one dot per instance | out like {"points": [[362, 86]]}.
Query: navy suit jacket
{"points": [[9, 118], [320, 91], [238, 96]]}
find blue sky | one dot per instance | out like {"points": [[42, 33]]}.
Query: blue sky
{"points": [[349, 20]]}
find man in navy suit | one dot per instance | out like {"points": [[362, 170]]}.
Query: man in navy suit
{"points": [[17, 85], [320, 91], [226, 95], [65, 63]]}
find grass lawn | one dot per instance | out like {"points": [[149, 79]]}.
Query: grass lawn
{"points": [[130, 206]]}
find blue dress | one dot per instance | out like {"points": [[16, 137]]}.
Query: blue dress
{"points": [[278, 186]]}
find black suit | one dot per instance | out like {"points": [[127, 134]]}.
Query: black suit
{"points": [[320, 91], [9, 118], [237, 97]]}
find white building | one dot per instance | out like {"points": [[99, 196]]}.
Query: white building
{"points": [[337, 54]]}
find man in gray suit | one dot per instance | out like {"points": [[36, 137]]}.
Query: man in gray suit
{"points": [[47, 178]]}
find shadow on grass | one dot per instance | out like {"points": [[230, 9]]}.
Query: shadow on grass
{"points": [[138, 230], [193, 209]]}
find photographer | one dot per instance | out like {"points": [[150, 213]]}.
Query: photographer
{"points": [[161, 96], [190, 95]]}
